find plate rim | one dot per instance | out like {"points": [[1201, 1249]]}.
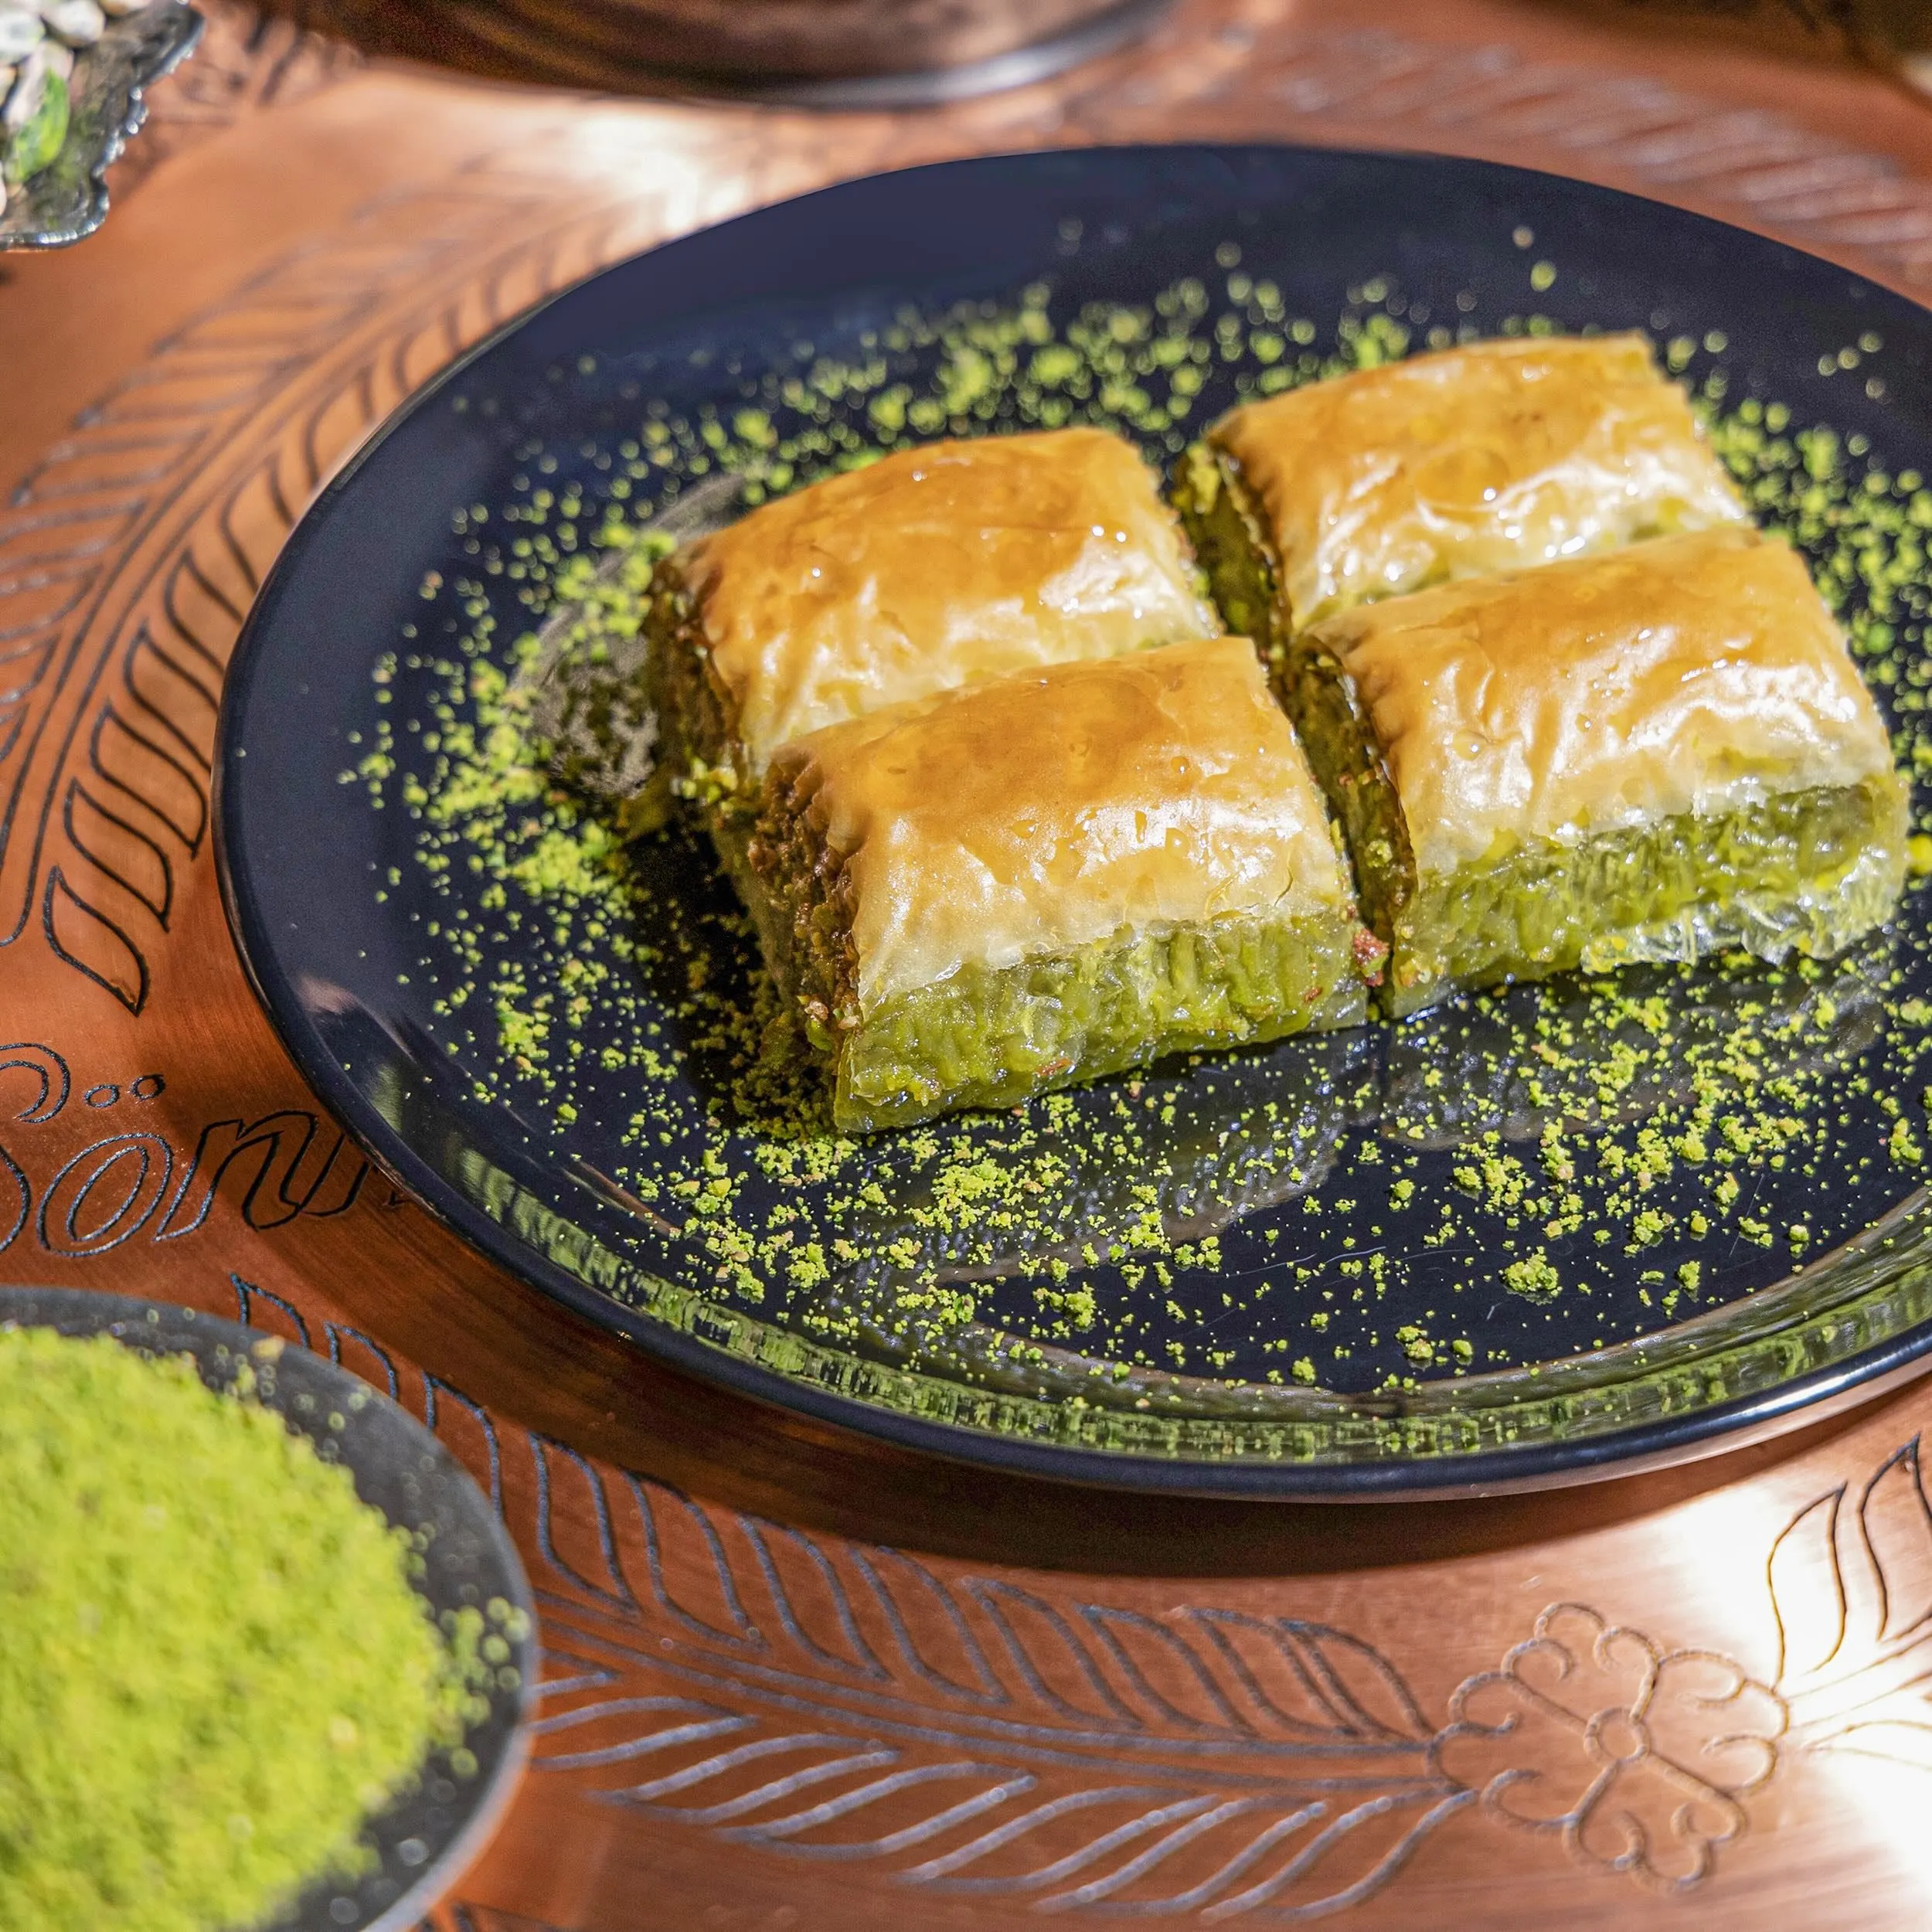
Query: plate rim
{"points": [[1735, 1423]]}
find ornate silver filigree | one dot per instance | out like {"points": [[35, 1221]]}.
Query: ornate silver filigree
{"points": [[68, 199]]}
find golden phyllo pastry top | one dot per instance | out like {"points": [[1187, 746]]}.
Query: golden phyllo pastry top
{"points": [[1050, 809], [936, 567], [1692, 674], [1489, 458]]}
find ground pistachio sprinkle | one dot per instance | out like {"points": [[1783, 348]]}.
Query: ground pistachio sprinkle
{"points": [[213, 1665], [1527, 1174]]}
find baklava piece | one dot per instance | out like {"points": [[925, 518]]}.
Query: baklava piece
{"points": [[930, 569], [974, 896], [1650, 755], [1490, 457]]}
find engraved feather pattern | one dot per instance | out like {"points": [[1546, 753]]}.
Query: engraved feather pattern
{"points": [[130, 556], [1851, 1588], [840, 1702]]}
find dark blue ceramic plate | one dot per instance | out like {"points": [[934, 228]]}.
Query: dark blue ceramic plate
{"points": [[1579, 1227]]}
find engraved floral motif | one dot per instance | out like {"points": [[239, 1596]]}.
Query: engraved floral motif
{"points": [[1637, 1757]]}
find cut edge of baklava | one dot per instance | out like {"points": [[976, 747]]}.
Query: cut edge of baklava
{"points": [[1232, 548], [990, 1034], [993, 1036], [1788, 868]]}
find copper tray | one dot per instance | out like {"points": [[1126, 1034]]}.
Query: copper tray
{"points": [[315, 240]]}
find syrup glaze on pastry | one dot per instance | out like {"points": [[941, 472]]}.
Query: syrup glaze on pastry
{"points": [[1054, 808], [1694, 674], [1489, 458], [933, 568]]}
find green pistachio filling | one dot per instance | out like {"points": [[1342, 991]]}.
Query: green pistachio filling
{"points": [[692, 723], [991, 1037], [1231, 546], [1801, 870], [1341, 745], [1805, 871], [704, 764]]}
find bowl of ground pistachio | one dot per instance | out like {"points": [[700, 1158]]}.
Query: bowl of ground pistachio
{"points": [[268, 1647], [72, 76]]}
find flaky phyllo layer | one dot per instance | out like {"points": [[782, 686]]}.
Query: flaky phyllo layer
{"points": [[1654, 754], [931, 569], [1491, 458], [980, 895]]}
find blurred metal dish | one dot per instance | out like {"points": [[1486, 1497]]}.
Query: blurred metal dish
{"points": [[819, 53], [67, 199]]}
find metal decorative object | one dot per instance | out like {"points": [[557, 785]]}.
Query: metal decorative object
{"points": [[812, 53], [1086, 38], [67, 200]]}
